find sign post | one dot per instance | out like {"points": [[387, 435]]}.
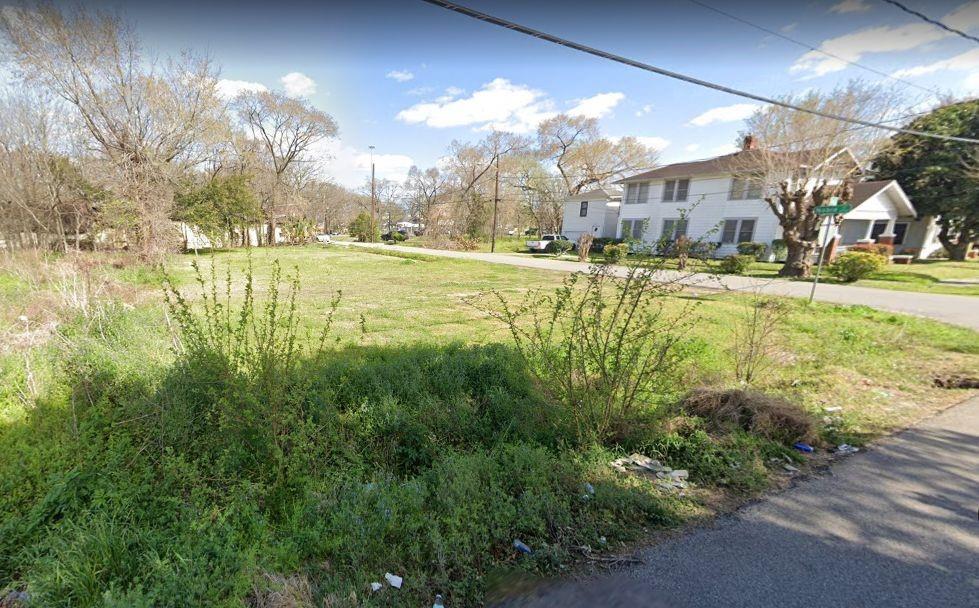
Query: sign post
{"points": [[827, 211]]}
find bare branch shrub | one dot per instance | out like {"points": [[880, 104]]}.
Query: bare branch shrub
{"points": [[601, 345], [584, 246], [754, 337]]}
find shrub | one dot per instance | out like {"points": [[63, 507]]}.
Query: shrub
{"points": [[398, 237], [853, 266], [602, 349], [615, 252], [779, 250], [466, 243], [768, 416], [364, 229], [558, 247], [736, 264], [755, 250], [754, 336], [881, 249]]}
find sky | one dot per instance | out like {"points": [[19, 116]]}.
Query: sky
{"points": [[408, 77]]}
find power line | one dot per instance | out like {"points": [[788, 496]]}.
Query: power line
{"points": [[676, 75], [808, 46], [934, 22]]}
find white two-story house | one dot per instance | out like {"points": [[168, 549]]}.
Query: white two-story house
{"points": [[705, 200]]}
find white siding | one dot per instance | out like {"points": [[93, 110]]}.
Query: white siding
{"points": [[707, 206], [601, 217]]}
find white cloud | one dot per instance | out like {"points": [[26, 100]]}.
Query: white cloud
{"points": [[646, 109], [499, 104], [691, 147], [297, 84], [965, 17], [789, 28], [732, 113], [850, 6], [852, 47], [881, 39], [400, 75], [596, 106], [656, 143], [968, 60], [971, 83], [229, 89], [351, 167]]}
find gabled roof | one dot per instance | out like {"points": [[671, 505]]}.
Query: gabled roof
{"points": [[612, 193], [727, 163], [864, 191]]}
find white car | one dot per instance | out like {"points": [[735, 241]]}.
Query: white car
{"points": [[545, 240], [323, 238]]}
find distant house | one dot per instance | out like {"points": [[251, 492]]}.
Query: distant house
{"points": [[705, 199], [595, 211]]}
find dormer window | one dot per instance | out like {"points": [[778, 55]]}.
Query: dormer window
{"points": [[675, 190]]}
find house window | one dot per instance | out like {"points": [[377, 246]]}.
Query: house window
{"points": [[673, 229], [900, 229], [743, 188], [638, 193], [675, 190], [632, 229], [737, 231], [583, 211]]}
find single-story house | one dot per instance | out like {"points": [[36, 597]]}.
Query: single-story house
{"points": [[595, 211], [705, 199]]}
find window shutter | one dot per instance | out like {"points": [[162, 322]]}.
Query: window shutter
{"points": [[682, 187]]}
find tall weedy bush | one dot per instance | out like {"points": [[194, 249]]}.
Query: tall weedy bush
{"points": [[238, 393], [602, 345]]}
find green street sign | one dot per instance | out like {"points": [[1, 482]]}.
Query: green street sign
{"points": [[832, 209]]}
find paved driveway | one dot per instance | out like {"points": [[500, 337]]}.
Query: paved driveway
{"points": [[957, 310], [893, 527]]}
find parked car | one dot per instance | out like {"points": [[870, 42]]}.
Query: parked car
{"points": [[323, 238], [545, 240]]}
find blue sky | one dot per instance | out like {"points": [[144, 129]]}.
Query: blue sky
{"points": [[409, 78]]}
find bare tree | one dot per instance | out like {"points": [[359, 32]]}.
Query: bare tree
{"points": [[144, 119], [542, 195], [286, 130], [799, 161], [584, 158]]}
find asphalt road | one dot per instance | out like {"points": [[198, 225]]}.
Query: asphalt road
{"points": [[957, 310], [895, 526]]}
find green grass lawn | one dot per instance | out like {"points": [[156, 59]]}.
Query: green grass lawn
{"points": [[417, 443]]}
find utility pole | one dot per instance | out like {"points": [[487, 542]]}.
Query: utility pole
{"points": [[496, 202], [373, 200]]}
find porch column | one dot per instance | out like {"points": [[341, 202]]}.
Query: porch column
{"points": [[887, 237], [870, 230]]}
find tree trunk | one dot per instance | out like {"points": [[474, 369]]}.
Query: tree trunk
{"points": [[957, 247], [798, 260]]}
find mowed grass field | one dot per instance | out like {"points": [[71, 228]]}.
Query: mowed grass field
{"points": [[140, 473]]}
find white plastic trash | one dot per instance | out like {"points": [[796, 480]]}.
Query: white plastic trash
{"points": [[393, 579], [375, 586]]}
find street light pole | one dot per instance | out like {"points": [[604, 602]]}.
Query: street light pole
{"points": [[373, 200]]}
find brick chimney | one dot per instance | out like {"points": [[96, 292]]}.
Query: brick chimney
{"points": [[749, 143]]}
